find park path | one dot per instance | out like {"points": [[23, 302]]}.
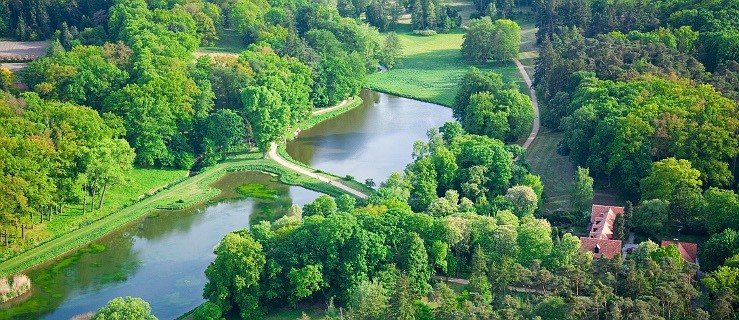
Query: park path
{"points": [[511, 288], [534, 101], [287, 164], [338, 106], [382, 68]]}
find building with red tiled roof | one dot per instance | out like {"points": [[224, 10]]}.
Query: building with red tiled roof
{"points": [[688, 251], [600, 241], [601, 248]]}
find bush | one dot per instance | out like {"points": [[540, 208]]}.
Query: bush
{"points": [[424, 33], [207, 311]]}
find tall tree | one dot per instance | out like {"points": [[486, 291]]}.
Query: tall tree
{"points": [[666, 175], [581, 195], [233, 278]]}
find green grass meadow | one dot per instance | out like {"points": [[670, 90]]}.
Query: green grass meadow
{"points": [[431, 68]]}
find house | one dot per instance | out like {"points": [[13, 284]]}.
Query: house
{"points": [[600, 240], [688, 251]]}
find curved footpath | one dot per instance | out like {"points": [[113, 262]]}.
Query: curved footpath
{"points": [[534, 101], [338, 106], [294, 167]]}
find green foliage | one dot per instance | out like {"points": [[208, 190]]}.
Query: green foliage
{"points": [[391, 50], [487, 40], [524, 200], [233, 278], [534, 240], [369, 302], [721, 210], [207, 311], [721, 246], [651, 217], [485, 106], [257, 190], [665, 176], [128, 308], [581, 195]]}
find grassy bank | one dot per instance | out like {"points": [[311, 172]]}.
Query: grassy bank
{"points": [[316, 119], [140, 183], [351, 183]]}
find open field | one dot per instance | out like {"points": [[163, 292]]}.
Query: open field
{"points": [[556, 171], [528, 51], [431, 67]]}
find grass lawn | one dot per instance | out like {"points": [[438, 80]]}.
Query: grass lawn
{"points": [[556, 171], [431, 67]]}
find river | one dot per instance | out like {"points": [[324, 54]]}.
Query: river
{"points": [[162, 258]]}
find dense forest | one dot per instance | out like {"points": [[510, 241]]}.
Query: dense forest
{"points": [[644, 93]]}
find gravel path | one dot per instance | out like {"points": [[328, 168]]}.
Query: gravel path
{"points": [[534, 101], [338, 106], [287, 164]]}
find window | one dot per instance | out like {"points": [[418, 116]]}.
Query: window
{"points": [[596, 249]]}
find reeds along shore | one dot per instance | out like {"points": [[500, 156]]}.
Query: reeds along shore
{"points": [[9, 290]]}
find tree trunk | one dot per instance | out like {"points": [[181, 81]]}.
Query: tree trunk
{"points": [[84, 201], [23, 232], [92, 200], [102, 196]]}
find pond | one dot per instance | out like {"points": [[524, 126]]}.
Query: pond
{"points": [[370, 141], [161, 258]]}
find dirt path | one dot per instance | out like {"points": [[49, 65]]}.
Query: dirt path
{"points": [[276, 157], [382, 68], [338, 106], [534, 101], [511, 288]]}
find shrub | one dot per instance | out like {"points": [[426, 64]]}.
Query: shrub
{"points": [[424, 33]]}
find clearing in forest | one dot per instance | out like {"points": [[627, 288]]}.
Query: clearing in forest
{"points": [[431, 68]]}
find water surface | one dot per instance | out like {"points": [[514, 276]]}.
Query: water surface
{"points": [[370, 141]]}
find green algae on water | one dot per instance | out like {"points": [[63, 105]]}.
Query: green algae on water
{"points": [[257, 190]]}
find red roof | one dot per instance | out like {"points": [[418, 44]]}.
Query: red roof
{"points": [[601, 247], [688, 251], [601, 219]]}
